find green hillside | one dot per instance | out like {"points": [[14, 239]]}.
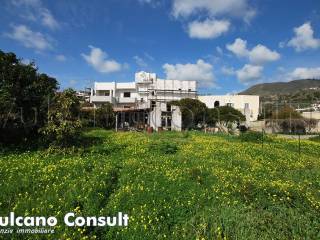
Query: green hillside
{"points": [[276, 88]]}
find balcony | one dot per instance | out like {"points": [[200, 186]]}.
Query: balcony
{"points": [[101, 99], [126, 100]]}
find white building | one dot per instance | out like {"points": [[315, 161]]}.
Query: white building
{"points": [[145, 101], [248, 105]]}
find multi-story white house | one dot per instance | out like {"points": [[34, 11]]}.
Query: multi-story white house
{"points": [[145, 101]]}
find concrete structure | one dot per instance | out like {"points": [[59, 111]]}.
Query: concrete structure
{"points": [[144, 102], [246, 104]]}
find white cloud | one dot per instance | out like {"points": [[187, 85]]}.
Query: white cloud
{"points": [[29, 38], [259, 55], [249, 73], [208, 29], [200, 71], [61, 58], [239, 48], [211, 10], [47, 19], [140, 62], [152, 3], [35, 11], [305, 73], [151, 58], [228, 71], [236, 8], [99, 60], [304, 38], [73, 82], [282, 44], [219, 50]]}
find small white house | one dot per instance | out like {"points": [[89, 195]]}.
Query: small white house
{"points": [[248, 105]]}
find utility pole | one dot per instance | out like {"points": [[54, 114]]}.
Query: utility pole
{"points": [[117, 122]]}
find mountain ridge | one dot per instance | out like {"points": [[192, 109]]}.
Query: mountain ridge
{"points": [[279, 88]]}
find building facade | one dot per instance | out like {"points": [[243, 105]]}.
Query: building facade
{"points": [[248, 105], [145, 102]]}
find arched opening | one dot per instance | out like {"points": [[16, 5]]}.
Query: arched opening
{"points": [[216, 104]]}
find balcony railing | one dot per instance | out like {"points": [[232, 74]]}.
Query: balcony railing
{"points": [[126, 100], [101, 99]]}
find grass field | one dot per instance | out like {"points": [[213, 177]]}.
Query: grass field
{"points": [[172, 185]]}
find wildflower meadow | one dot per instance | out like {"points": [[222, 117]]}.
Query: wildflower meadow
{"points": [[187, 185]]}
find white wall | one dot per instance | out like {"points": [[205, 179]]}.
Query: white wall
{"points": [[166, 90], [155, 117], [100, 86], [176, 124], [314, 115], [237, 101]]}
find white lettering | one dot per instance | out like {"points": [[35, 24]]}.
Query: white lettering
{"points": [[66, 219]]}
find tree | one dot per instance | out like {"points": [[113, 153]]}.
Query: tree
{"points": [[63, 127], [105, 116], [291, 121], [193, 112], [224, 114], [286, 113], [23, 97]]}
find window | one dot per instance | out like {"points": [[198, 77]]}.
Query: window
{"points": [[127, 94], [153, 105], [246, 105], [230, 104], [168, 107], [107, 93]]}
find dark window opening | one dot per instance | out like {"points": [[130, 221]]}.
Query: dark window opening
{"points": [[230, 104], [153, 105], [168, 107], [216, 104], [127, 94]]}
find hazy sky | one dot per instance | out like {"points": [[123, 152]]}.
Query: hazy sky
{"points": [[227, 45]]}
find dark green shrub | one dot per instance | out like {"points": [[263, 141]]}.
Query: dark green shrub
{"points": [[164, 147], [255, 137], [315, 139]]}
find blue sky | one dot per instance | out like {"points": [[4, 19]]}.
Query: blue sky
{"points": [[227, 45]]}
